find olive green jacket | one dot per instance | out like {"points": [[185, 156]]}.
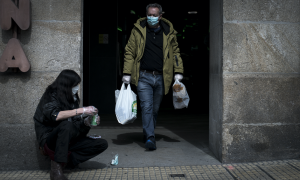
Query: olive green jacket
{"points": [[135, 47]]}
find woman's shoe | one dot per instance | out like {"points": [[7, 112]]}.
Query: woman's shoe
{"points": [[56, 172]]}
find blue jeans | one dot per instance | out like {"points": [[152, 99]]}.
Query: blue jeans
{"points": [[150, 91]]}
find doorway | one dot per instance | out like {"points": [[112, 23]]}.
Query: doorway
{"points": [[191, 21], [182, 132]]}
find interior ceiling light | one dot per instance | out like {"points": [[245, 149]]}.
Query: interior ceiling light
{"points": [[163, 12], [192, 12]]}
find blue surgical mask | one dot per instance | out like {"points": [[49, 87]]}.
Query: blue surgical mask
{"points": [[152, 21]]}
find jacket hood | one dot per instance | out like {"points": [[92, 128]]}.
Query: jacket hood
{"points": [[166, 25]]}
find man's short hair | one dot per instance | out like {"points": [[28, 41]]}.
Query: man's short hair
{"points": [[154, 5]]}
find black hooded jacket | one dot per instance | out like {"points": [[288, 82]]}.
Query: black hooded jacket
{"points": [[45, 118]]}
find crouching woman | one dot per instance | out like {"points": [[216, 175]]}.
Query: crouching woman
{"points": [[61, 126]]}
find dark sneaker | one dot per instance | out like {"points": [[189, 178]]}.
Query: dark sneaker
{"points": [[150, 144]]}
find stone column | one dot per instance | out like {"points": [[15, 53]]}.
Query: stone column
{"points": [[52, 43], [261, 80], [215, 77]]}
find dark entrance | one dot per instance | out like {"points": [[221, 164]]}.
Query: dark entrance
{"points": [[193, 33], [103, 64]]}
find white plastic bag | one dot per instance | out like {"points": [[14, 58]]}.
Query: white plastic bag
{"points": [[181, 98], [126, 105], [117, 93]]}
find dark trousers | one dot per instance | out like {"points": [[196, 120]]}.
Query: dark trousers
{"points": [[150, 90], [66, 137]]}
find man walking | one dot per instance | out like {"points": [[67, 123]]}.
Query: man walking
{"points": [[151, 57]]}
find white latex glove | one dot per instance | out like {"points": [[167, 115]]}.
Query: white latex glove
{"points": [[126, 79], [179, 77], [88, 120], [98, 120], [90, 110]]}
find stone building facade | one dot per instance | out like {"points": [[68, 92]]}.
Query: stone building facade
{"points": [[254, 78], [51, 44]]}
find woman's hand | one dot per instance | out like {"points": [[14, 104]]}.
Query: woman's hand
{"points": [[87, 121], [90, 110], [98, 120]]}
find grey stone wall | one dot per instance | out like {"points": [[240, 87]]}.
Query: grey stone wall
{"points": [[52, 43], [261, 80]]}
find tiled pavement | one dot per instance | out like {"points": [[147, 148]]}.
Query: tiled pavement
{"points": [[279, 170]]}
